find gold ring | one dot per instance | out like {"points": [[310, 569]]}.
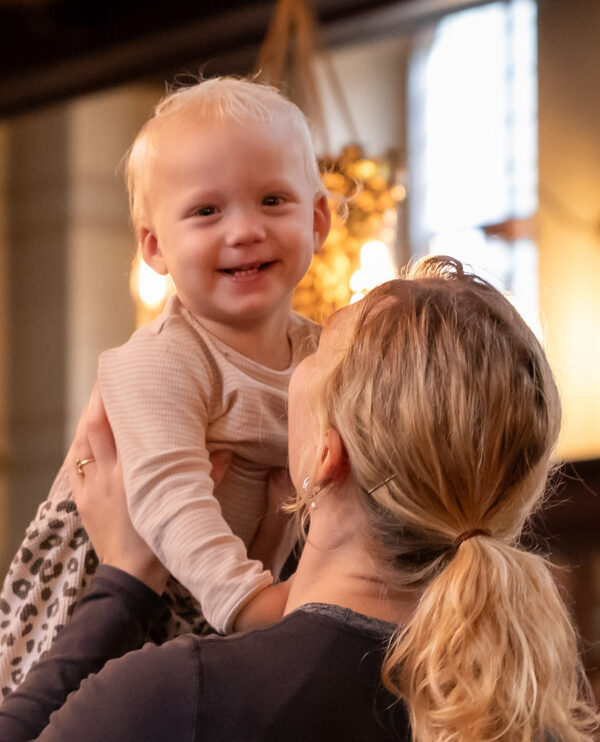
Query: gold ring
{"points": [[80, 463]]}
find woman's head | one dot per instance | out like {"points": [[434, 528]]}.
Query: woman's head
{"points": [[448, 413], [437, 381]]}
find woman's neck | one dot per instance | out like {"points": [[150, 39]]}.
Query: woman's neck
{"points": [[346, 575]]}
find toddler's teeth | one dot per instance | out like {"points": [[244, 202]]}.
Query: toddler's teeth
{"points": [[245, 271]]}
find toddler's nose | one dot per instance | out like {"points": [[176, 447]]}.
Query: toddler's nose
{"points": [[244, 228]]}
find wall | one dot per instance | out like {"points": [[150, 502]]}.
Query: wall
{"points": [[378, 110], [569, 215]]}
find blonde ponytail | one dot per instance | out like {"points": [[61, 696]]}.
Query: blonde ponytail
{"points": [[490, 653]]}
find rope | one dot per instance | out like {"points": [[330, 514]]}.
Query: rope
{"points": [[288, 56]]}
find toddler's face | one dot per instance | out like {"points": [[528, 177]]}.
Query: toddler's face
{"points": [[234, 219]]}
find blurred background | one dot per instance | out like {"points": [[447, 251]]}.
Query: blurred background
{"points": [[472, 127]]}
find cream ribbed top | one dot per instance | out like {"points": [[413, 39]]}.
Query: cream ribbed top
{"points": [[174, 393]]}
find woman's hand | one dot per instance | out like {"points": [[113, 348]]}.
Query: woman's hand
{"points": [[99, 493]]}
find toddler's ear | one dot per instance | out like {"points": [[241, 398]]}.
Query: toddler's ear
{"points": [[321, 221], [151, 252]]}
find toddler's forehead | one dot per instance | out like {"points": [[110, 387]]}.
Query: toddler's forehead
{"points": [[180, 136]]}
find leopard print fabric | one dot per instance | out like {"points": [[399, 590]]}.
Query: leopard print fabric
{"points": [[50, 571]]}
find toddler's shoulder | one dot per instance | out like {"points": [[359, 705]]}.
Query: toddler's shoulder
{"points": [[167, 357], [170, 342], [173, 325]]}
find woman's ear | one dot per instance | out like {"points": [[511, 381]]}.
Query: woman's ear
{"points": [[334, 465], [150, 250], [321, 221]]}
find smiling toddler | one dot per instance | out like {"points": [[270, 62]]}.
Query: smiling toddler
{"points": [[226, 197]]}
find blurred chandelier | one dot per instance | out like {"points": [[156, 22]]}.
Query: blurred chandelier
{"points": [[358, 253]]}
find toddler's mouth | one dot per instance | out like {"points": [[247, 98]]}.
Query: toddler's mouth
{"points": [[247, 271]]}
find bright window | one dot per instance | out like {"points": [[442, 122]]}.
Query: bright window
{"points": [[473, 146]]}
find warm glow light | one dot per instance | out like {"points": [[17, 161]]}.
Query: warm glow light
{"points": [[357, 283], [363, 185], [398, 192], [149, 290], [376, 266], [387, 235], [376, 262], [390, 217], [365, 169], [152, 287]]}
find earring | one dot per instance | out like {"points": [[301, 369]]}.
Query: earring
{"points": [[313, 494]]}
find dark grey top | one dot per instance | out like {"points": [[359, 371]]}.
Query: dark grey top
{"points": [[314, 676]]}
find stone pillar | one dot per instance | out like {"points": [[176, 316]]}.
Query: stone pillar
{"points": [[36, 220], [69, 246], [100, 240]]}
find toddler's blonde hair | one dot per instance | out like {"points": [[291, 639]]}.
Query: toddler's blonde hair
{"points": [[445, 387], [225, 99]]}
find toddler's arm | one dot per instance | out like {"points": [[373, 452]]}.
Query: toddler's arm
{"points": [[101, 502], [157, 396], [266, 607], [268, 545]]}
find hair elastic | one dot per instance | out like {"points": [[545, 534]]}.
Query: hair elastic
{"points": [[470, 534], [377, 486]]}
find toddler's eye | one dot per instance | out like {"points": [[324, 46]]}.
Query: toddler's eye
{"points": [[206, 211], [272, 200]]}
